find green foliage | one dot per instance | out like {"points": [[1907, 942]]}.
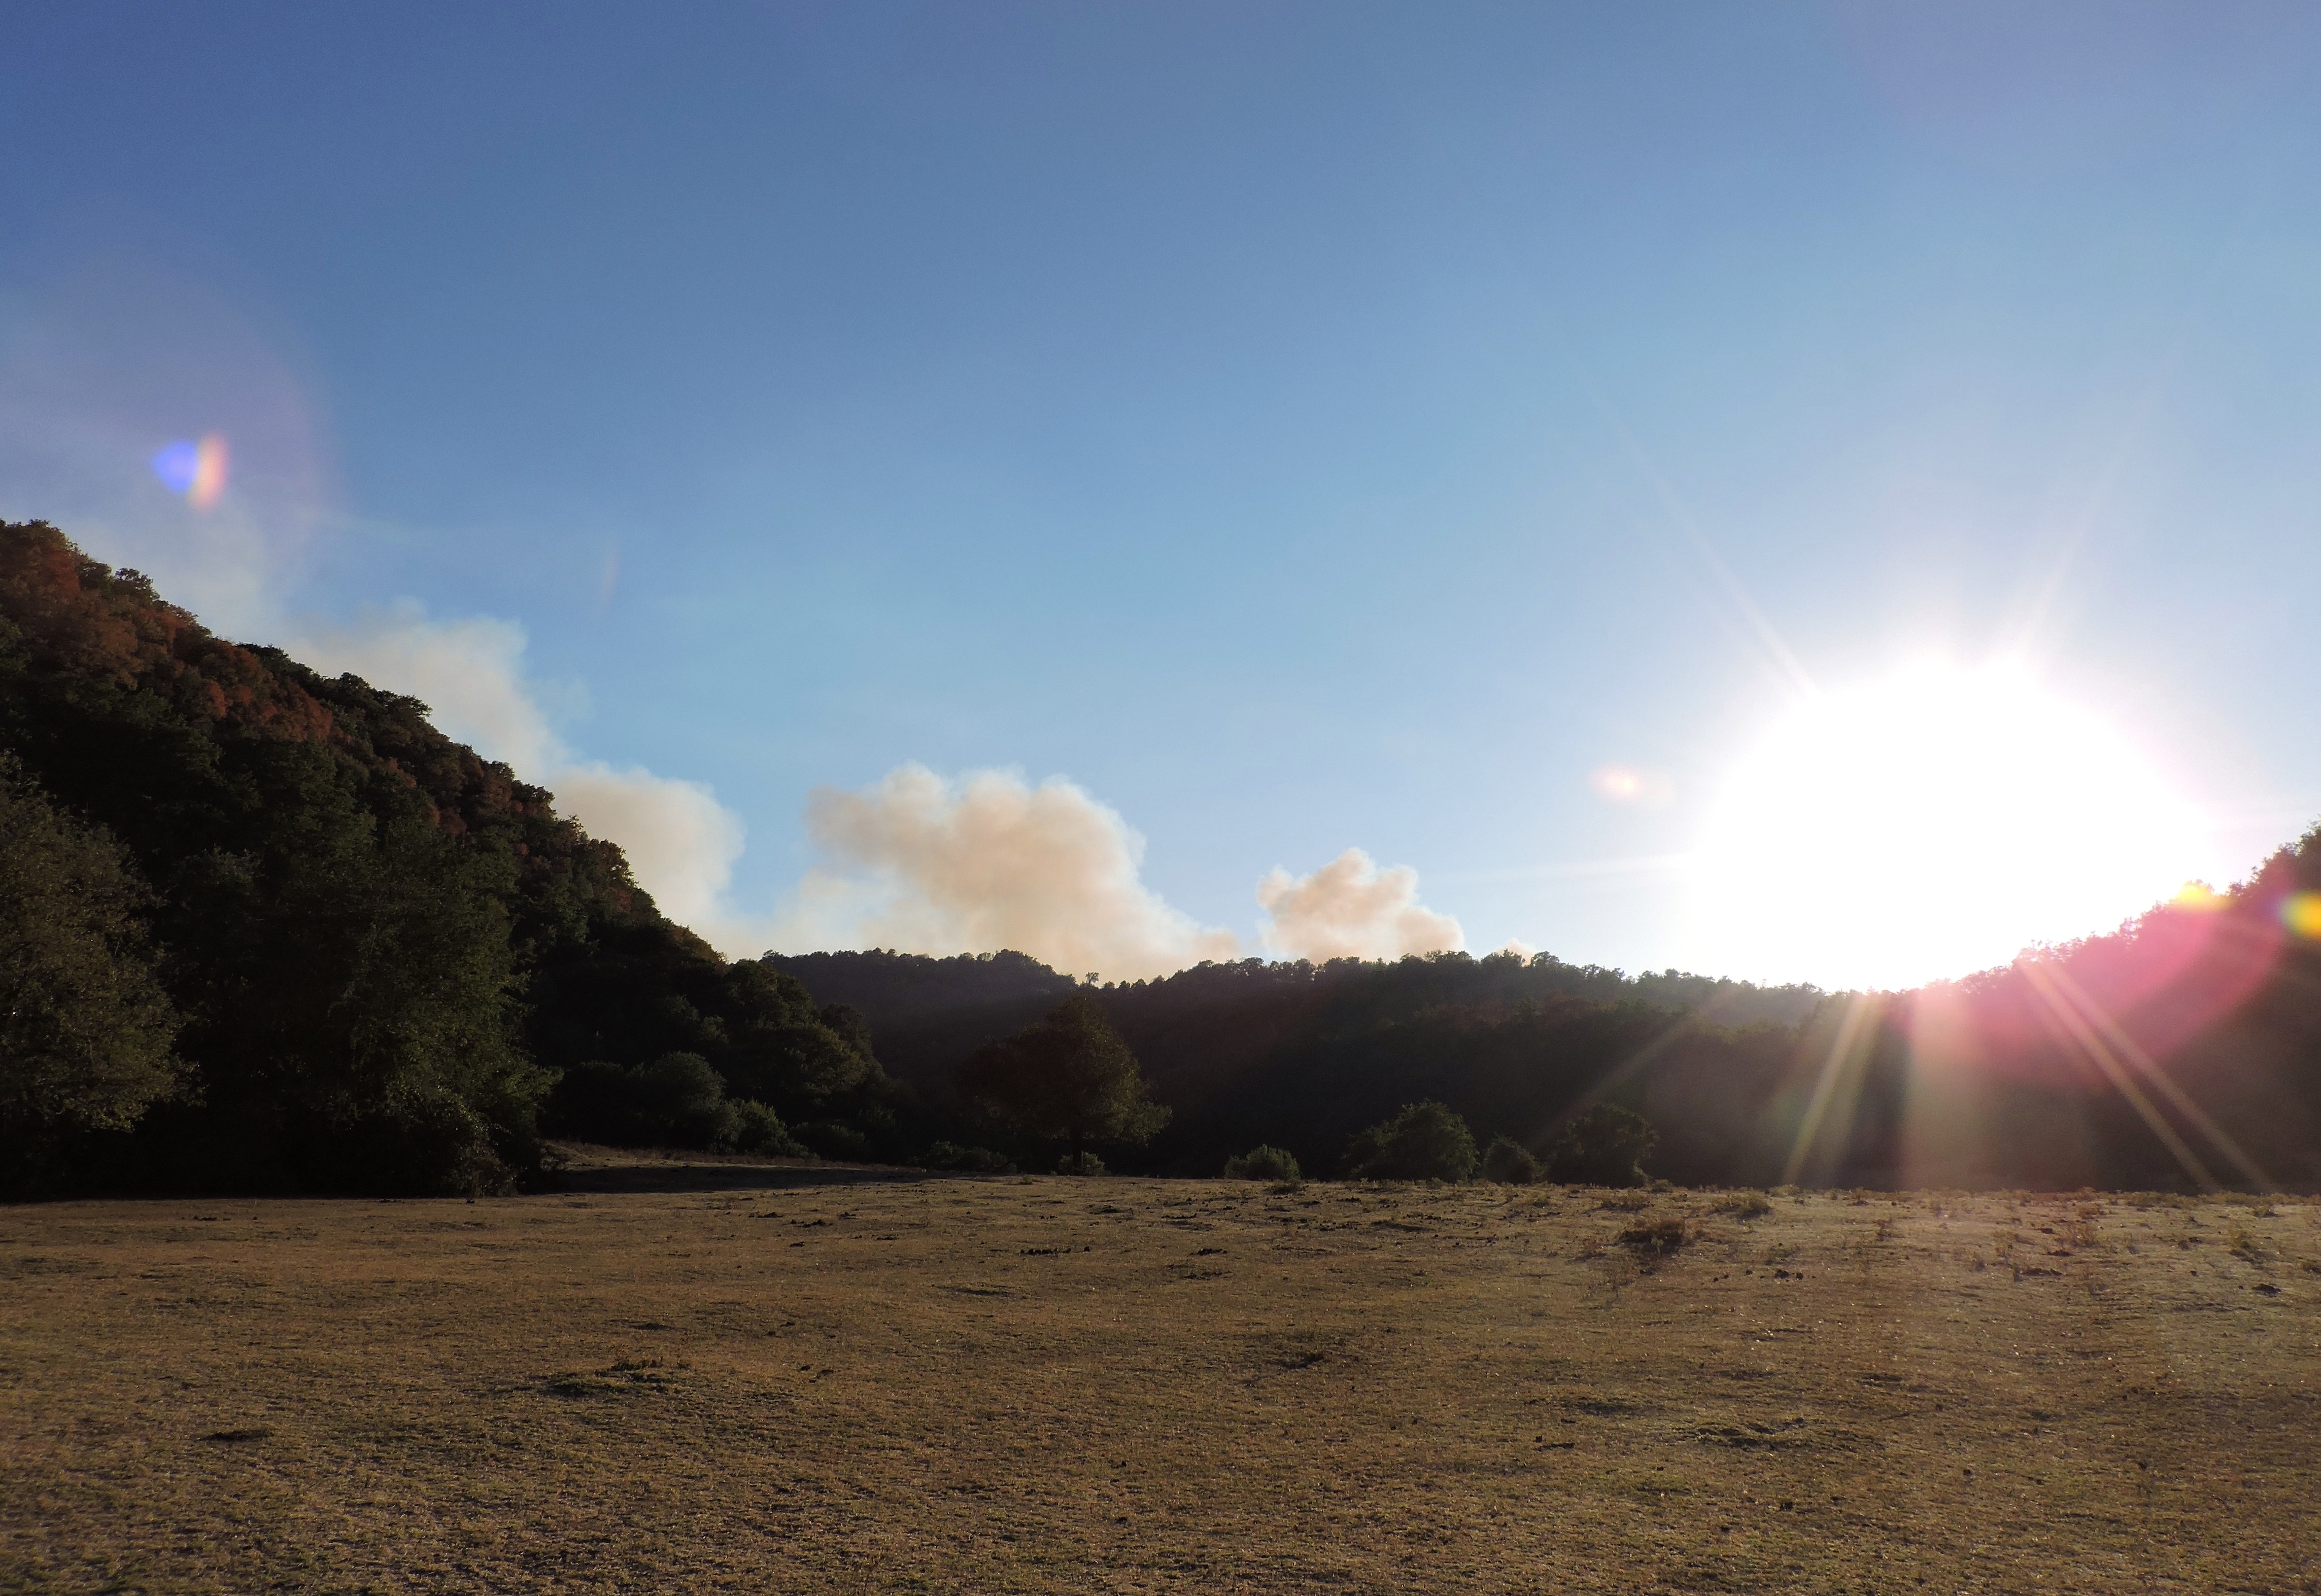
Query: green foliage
{"points": [[1426, 1141], [1263, 1163], [1069, 1077], [676, 1100], [85, 1029], [1082, 1163], [1509, 1162], [834, 1138], [376, 940], [950, 1154], [1604, 1147], [757, 1128]]}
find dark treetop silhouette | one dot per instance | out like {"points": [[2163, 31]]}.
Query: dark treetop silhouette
{"points": [[264, 929]]}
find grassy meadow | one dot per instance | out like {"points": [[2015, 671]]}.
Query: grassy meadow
{"points": [[730, 1378]]}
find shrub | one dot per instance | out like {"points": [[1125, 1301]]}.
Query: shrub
{"points": [[1654, 1239], [682, 1095], [831, 1139], [1079, 1164], [947, 1154], [676, 1100], [1745, 1205], [1263, 1162], [1604, 1147], [757, 1128], [1426, 1141], [1509, 1162]]}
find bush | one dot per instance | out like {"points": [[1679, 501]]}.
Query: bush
{"points": [[1744, 1205], [1654, 1239], [757, 1128], [831, 1139], [946, 1155], [1604, 1147], [677, 1101], [1263, 1162], [1083, 1164], [423, 1144], [682, 1095], [1425, 1142], [1508, 1161]]}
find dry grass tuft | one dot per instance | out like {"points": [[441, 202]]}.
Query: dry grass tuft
{"points": [[1654, 1239]]}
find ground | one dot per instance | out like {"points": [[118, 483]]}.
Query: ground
{"points": [[801, 1379]]}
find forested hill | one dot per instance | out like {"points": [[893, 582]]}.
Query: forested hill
{"points": [[2183, 1050], [1217, 1021], [264, 929]]}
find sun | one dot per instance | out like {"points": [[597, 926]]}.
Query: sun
{"points": [[1932, 824]]}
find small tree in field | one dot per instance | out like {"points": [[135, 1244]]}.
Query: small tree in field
{"points": [[1069, 1076], [1604, 1147], [1427, 1141], [1508, 1161], [1263, 1162]]}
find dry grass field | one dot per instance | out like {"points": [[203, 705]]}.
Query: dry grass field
{"points": [[818, 1380]]}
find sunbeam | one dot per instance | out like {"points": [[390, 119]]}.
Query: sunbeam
{"points": [[2125, 1048], [1840, 1071]]}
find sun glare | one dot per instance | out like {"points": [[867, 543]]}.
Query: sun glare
{"points": [[1933, 824]]}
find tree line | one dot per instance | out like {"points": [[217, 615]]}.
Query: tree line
{"points": [[268, 931]]}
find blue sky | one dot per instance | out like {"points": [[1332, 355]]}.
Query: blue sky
{"points": [[1301, 427]]}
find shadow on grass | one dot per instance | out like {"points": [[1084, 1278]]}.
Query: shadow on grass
{"points": [[647, 1172]]}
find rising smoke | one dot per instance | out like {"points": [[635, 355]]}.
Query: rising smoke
{"points": [[1350, 909]]}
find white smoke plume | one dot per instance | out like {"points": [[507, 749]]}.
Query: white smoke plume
{"points": [[468, 671], [681, 843], [989, 862], [1350, 909], [108, 360]]}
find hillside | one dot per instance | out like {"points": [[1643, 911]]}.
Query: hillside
{"points": [[2183, 1050], [377, 953], [262, 929]]}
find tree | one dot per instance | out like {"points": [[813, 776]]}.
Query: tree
{"points": [[85, 1029], [1263, 1162], [1068, 1076], [1509, 1162], [1426, 1141], [1604, 1147]]}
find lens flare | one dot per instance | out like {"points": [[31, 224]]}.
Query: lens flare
{"points": [[1630, 784], [2301, 914], [1618, 782], [196, 470]]}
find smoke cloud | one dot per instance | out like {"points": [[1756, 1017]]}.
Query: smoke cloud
{"points": [[681, 843], [468, 671], [1350, 909], [104, 363], [989, 862]]}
